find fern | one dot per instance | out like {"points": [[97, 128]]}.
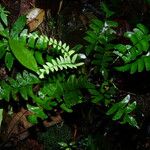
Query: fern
{"points": [[136, 56], [28, 50], [3, 16], [67, 60], [104, 93], [139, 65], [22, 85], [42, 42], [59, 64], [99, 37], [66, 93], [122, 111], [23, 45]]}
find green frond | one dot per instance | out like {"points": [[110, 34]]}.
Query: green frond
{"points": [[42, 42], [59, 63], [141, 64], [22, 84], [122, 111], [140, 44], [99, 37], [134, 54], [65, 92]]}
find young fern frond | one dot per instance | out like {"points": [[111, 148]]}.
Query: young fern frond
{"points": [[136, 56]]}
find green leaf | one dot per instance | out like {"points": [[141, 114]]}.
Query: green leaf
{"points": [[90, 39], [77, 47], [123, 68], [79, 64], [97, 99], [2, 48], [1, 27], [37, 111], [4, 33], [4, 18], [147, 62], [39, 57], [92, 35], [14, 94], [112, 24], [30, 91], [141, 65], [113, 109], [131, 121], [126, 99], [23, 36], [23, 55], [65, 108], [97, 22], [5, 91], [121, 48], [145, 44], [131, 107], [31, 40], [9, 60], [32, 119], [94, 92], [106, 10], [1, 116], [23, 92], [119, 105], [118, 114], [133, 67], [39, 43], [18, 26], [74, 58], [142, 28], [63, 144]]}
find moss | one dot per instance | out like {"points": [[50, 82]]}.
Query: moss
{"points": [[53, 135]]}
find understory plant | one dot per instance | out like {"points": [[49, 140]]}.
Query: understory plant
{"points": [[45, 73], [101, 40], [135, 55], [28, 58]]}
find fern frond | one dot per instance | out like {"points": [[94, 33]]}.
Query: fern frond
{"points": [[22, 84], [67, 58], [134, 55], [141, 64], [42, 42], [66, 92], [102, 61], [59, 63], [140, 44], [99, 37]]}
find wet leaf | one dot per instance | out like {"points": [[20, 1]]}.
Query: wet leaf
{"points": [[9, 60], [37, 111], [23, 55], [118, 115], [18, 26], [131, 107], [131, 120]]}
